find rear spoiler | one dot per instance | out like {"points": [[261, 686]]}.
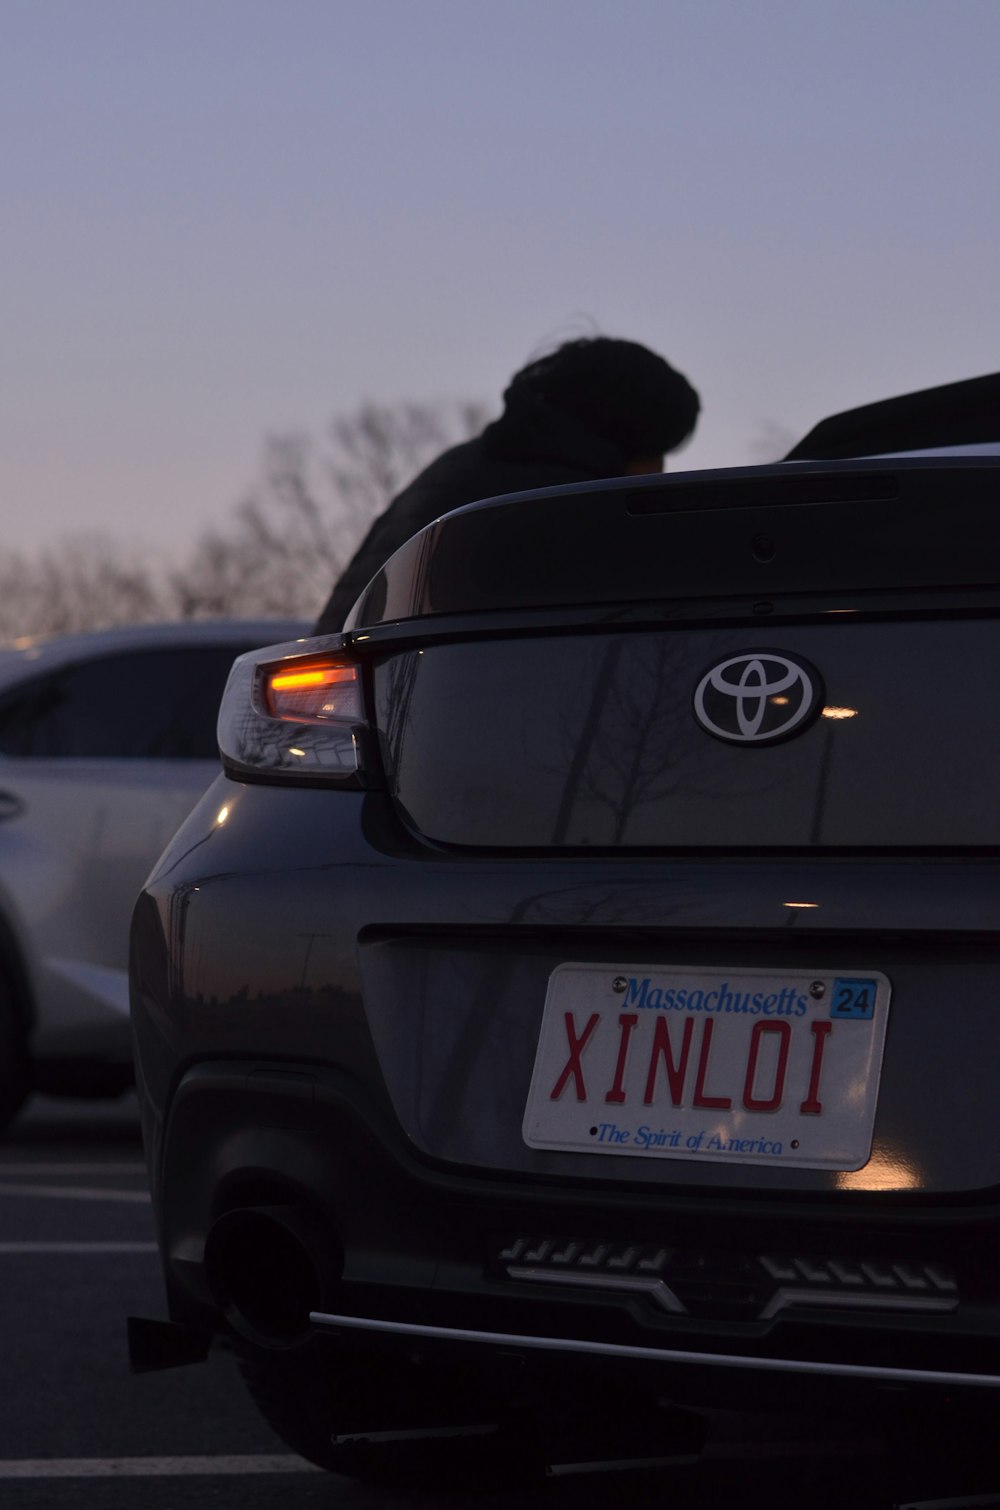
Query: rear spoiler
{"points": [[752, 533], [957, 414]]}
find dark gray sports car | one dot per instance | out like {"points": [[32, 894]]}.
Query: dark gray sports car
{"points": [[582, 987]]}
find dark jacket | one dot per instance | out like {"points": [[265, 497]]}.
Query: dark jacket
{"points": [[531, 445]]}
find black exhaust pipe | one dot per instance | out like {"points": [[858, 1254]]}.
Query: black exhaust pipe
{"points": [[268, 1267]]}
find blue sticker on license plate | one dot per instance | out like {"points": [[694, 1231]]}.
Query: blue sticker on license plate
{"points": [[853, 999]]}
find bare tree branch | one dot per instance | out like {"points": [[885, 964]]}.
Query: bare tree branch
{"points": [[290, 539], [81, 582], [278, 553]]}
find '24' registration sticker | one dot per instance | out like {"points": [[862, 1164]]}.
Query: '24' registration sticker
{"points": [[853, 998]]}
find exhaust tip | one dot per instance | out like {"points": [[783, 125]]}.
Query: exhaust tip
{"points": [[268, 1267]]}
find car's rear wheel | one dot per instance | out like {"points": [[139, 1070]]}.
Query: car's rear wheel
{"points": [[405, 1428], [15, 1065]]}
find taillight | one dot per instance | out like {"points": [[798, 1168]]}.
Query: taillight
{"points": [[316, 693], [295, 712]]}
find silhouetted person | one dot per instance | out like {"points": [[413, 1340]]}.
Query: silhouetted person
{"points": [[593, 408]]}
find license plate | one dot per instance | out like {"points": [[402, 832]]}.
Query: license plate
{"points": [[740, 1066]]}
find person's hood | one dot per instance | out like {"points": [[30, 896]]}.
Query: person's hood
{"points": [[533, 431]]}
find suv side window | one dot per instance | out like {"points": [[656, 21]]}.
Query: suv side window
{"points": [[142, 704]]}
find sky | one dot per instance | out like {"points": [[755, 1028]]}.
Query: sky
{"points": [[223, 220]]}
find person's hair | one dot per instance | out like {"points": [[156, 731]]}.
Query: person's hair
{"points": [[617, 389]]}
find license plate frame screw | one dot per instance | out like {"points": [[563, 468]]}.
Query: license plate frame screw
{"points": [[619, 984], [818, 990]]}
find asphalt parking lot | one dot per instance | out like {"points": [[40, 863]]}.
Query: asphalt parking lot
{"points": [[77, 1256]]}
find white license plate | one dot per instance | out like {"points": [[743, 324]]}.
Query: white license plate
{"points": [[739, 1066]]}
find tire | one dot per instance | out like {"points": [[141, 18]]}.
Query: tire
{"points": [[307, 1395], [15, 1065]]}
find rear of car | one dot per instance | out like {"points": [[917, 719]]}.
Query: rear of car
{"points": [[586, 975]]}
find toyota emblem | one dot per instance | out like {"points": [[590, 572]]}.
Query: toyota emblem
{"points": [[757, 697]]}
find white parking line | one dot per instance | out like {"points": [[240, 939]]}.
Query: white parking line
{"points": [[47, 1170], [77, 1193], [13, 1250], [122, 1468]]}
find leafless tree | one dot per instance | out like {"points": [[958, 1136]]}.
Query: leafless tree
{"points": [[80, 582], [381, 447], [291, 537], [279, 551]]}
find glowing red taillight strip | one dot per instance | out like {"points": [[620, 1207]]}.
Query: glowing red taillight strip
{"points": [[314, 693], [320, 676]]}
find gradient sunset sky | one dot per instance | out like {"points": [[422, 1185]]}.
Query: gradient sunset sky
{"points": [[223, 219]]}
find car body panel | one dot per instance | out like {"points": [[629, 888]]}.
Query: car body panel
{"points": [[961, 416], [80, 851], [78, 836], [430, 972]]}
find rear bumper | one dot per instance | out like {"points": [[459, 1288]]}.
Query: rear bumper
{"points": [[399, 1249]]}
